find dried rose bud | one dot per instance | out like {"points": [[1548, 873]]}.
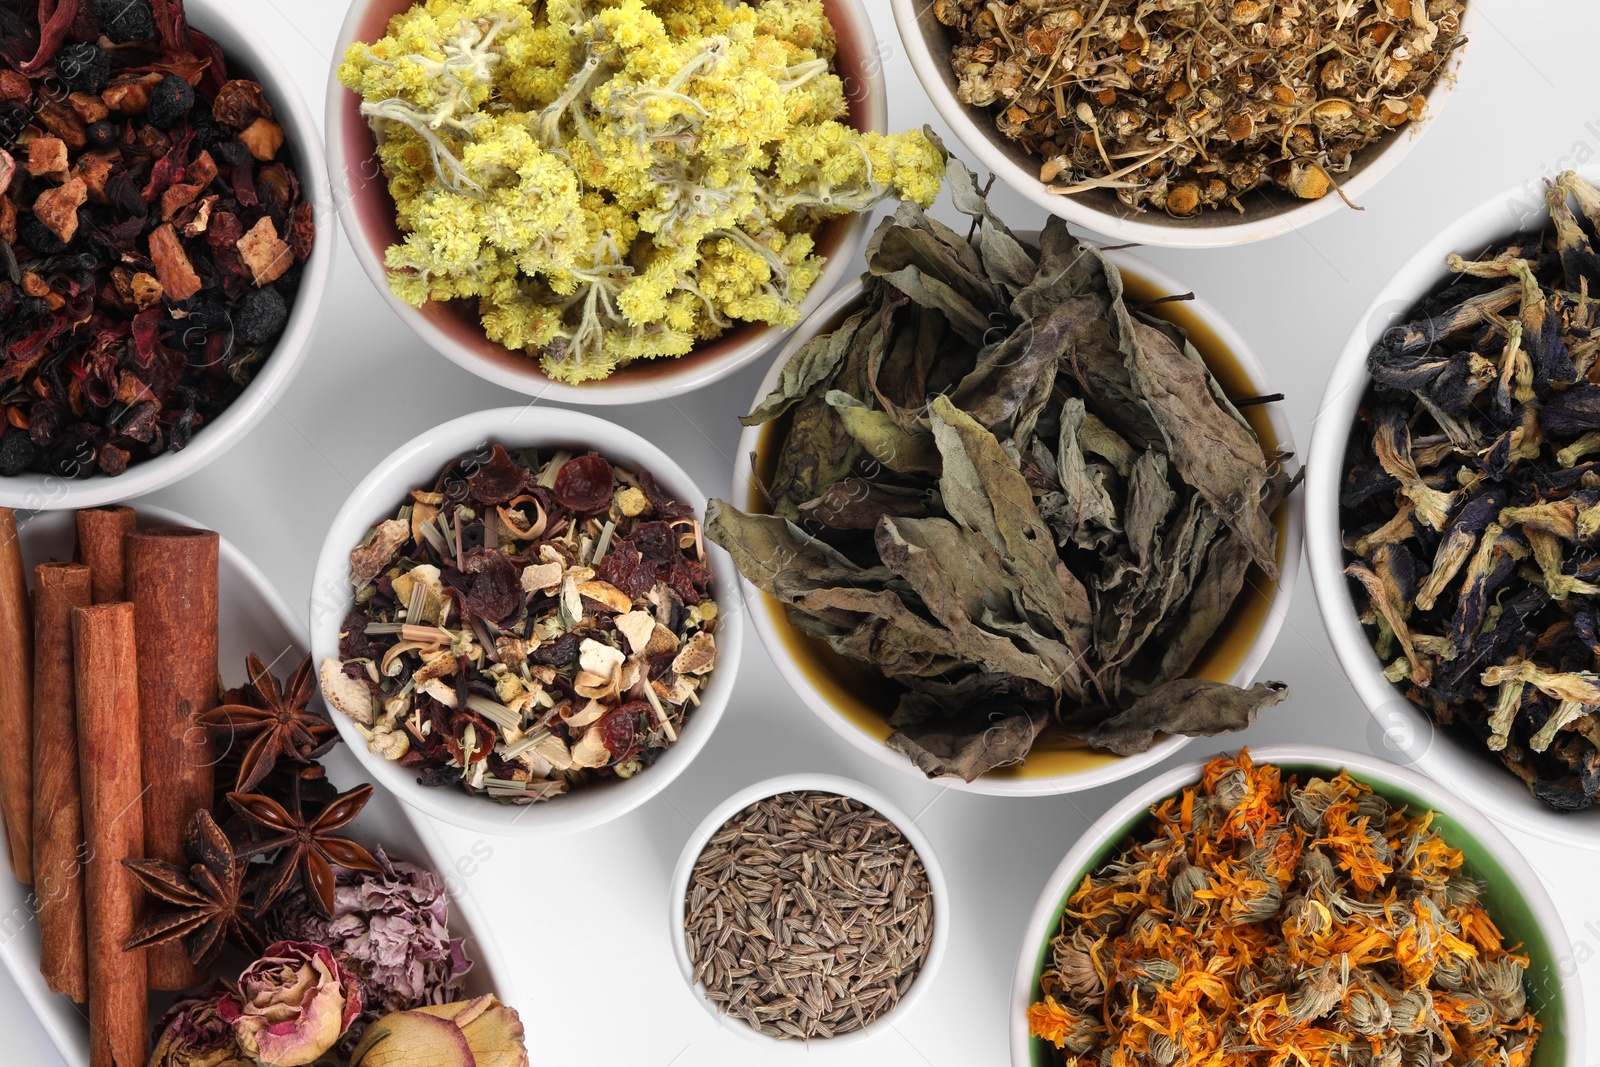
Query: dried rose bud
{"points": [[8, 169], [293, 1004], [192, 1034], [465, 1034]]}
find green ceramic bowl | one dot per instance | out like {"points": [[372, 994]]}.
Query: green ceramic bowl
{"points": [[1515, 897]]}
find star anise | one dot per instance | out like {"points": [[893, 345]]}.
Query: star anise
{"points": [[304, 843], [205, 904], [280, 722]]}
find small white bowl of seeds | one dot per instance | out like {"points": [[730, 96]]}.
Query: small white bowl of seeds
{"points": [[806, 909]]}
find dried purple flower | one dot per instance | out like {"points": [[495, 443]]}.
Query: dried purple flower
{"points": [[391, 929]]}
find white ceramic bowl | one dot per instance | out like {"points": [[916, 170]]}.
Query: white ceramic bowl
{"points": [[456, 334], [825, 783], [254, 618], [1515, 896], [417, 463], [825, 683], [1404, 729], [1269, 212], [248, 56]]}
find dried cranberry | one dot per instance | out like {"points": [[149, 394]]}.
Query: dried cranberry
{"points": [[558, 653], [584, 483], [619, 729], [496, 590]]}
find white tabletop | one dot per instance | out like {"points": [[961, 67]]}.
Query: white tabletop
{"points": [[587, 916]]}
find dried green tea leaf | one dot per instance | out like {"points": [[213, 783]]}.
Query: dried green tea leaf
{"points": [[778, 557], [960, 581], [1189, 706], [983, 491], [997, 517], [814, 364], [969, 753], [1209, 449], [859, 504], [881, 439]]}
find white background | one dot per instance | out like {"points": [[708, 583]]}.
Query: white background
{"points": [[584, 920]]}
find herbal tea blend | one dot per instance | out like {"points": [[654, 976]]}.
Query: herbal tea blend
{"points": [[152, 232], [808, 915], [527, 625], [1469, 502], [1026, 504], [617, 182], [1258, 920], [1189, 104]]}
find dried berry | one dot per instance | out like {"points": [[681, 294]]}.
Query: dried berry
{"points": [[84, 67], [619, 728], [170, 101], [101, 134], [17, 453], [584, 483], [260, 318], [38, 238], [125, 21]]}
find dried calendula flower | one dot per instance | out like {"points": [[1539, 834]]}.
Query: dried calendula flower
{"points": [[1471, 496], [1152, 101], [1258, 921], [527, 625]]}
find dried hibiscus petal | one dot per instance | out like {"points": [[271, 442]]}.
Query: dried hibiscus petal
{"points": [[498, 480], [584, 483]]}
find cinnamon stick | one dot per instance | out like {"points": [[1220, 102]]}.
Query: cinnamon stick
{"points": [[172, 581], [100, 546], [16, 701], [107, 693], [57, 799]]}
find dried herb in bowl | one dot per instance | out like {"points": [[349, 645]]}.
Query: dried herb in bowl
{"points": [[152, 229], [1187, 105], [808, 914], [1024, 503], [603, 184], [1259, 920], [1469, 502], [527, 625]]}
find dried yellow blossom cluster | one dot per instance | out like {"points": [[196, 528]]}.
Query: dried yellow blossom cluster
{"points": [[618, 179]]}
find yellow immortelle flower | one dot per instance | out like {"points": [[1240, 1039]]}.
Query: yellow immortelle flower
{"points": [[614, 180]]}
